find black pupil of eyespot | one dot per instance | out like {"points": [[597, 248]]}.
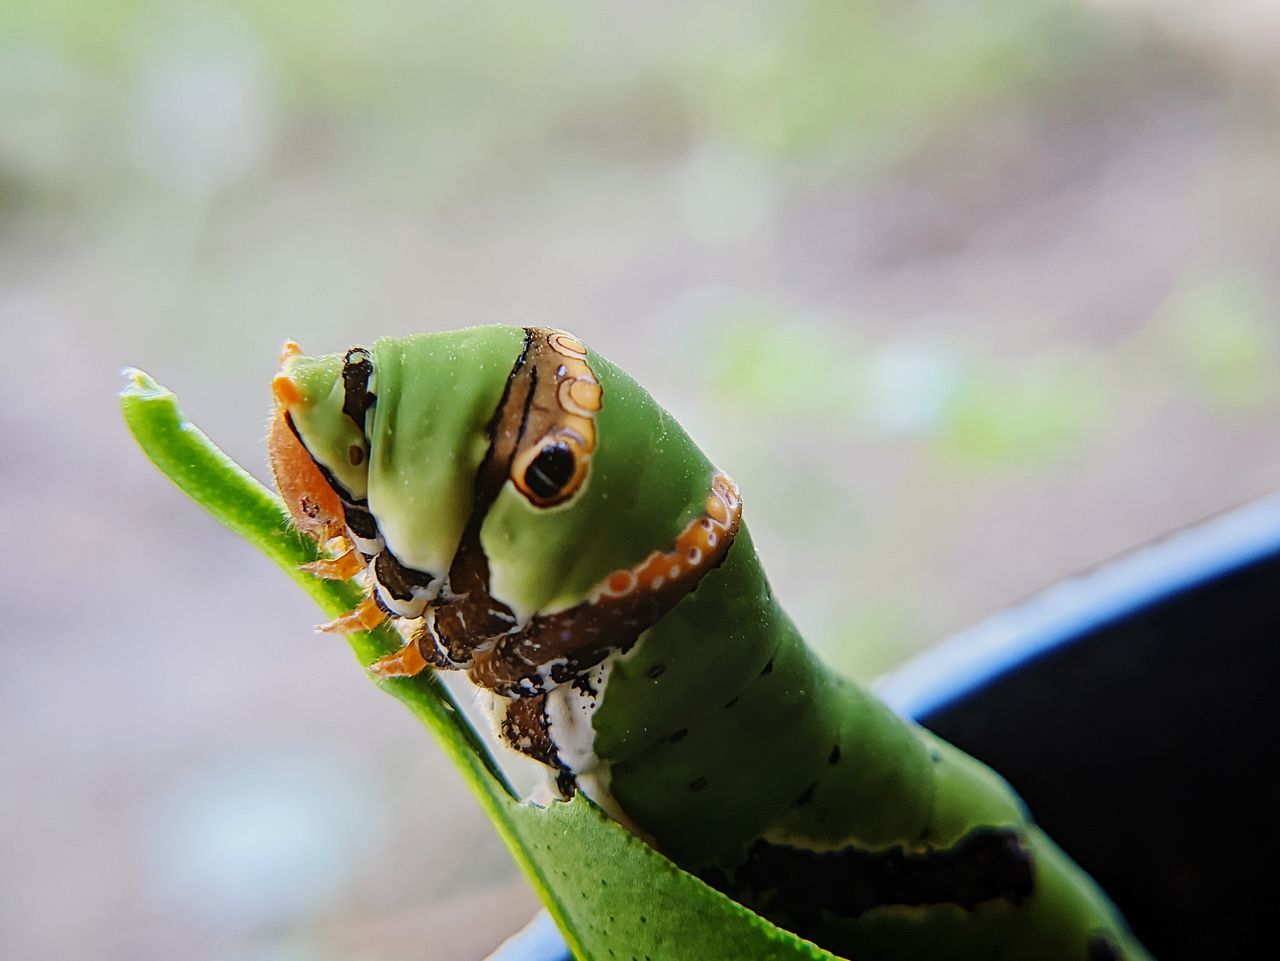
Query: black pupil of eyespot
{"points": [[550, 470]]}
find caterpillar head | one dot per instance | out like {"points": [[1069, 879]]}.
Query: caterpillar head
{"points": [[554, 464], [397, 431]]}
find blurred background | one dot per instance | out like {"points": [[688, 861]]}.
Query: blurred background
{"points": [[966, 295]]}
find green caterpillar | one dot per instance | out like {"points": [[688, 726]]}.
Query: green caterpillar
{"points": [[528, 514]]}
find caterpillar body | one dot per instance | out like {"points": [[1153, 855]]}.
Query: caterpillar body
{"points": [[527, 513]]}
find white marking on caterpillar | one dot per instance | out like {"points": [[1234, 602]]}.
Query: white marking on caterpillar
{"points": [[569, 710], [366, 546], [430, 618], [416, 605]]}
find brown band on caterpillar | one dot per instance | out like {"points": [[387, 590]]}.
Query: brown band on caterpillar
{"points": [[549, 400], [554, 648]]}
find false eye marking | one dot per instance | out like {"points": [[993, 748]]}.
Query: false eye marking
{"points": [[551, 470], [552, 465]]}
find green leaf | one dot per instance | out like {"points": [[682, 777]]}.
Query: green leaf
{"points": [[612, 895]]}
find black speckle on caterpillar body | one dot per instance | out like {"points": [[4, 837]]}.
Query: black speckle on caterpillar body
{"points": [[582, 684]]}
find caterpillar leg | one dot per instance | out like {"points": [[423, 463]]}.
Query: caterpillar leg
{"points": [[422, 651], [341, 568], [406, 662], [365, 616]]}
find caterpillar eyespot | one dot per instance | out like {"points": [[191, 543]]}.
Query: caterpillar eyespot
{"points": [[550, 473], [530, 516]]}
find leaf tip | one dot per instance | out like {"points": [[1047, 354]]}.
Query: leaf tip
{"points": [[141, 385]]}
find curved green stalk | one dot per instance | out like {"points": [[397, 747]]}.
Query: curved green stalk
{"points": [[612, 895]]}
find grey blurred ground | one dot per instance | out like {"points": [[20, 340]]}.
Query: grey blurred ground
{"points": [[967, 296]]}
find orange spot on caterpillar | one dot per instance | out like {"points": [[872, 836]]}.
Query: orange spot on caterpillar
{"points": [[717, 510], [586, 394], [695, 544], [567, 345], [285, 390], [365, 616]]}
